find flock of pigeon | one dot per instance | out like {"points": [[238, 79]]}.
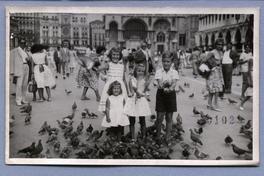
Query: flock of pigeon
{"points": [[63, 141]]}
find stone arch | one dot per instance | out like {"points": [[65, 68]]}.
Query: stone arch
{"points": [[200, 40], [220, 35], [213, 39], [228, 37], [206, 40], [135, 28], [162, 25], [113, 31], [249, 37], [161, 37], [238, 40]]}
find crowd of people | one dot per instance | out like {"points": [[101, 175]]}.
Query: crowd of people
{"points": [[128, 74]]}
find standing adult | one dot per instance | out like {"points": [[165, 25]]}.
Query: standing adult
{"points": [[42, 73], [57, 60], [194, 59], [228, 63], [215, 82], [20, 68], [65, 59], [73, 59], [243, 61]]}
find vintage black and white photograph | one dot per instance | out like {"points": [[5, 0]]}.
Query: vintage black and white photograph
{"points": [[132, 87]]}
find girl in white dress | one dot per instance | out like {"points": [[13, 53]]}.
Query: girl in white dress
{"points": [[115, 72], [73, 58], [137, 105], [42, 73], [115, 119]]}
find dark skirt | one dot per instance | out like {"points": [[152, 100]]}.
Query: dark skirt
{"points": [[166, 102]]}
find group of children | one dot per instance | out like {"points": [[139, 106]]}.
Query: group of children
{"points": [[125, 97]]}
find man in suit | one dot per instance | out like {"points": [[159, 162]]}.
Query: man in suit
{"points": [[228, 63], [57, 60], [65, 59], [20, 69]]}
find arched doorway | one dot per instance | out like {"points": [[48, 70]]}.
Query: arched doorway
{"points": [[113, 34], [135, 31], [238, 40], [201, 41], [213, 40], [249, 37], [206, 40], [162, 26], [228, 37], [220, 35]]}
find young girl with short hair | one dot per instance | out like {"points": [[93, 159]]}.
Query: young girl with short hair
{"points": [[115, 119], [137, 105]]}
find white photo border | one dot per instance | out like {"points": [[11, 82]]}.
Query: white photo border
{"points": [[139, 10]]}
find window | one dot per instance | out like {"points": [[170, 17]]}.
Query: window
{"points": [[182, 38], [227, 16], [220, 17], [160, 37], [224, 17]]}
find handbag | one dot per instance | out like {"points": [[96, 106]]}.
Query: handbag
{"points": [[204, 70], [30, 86]]}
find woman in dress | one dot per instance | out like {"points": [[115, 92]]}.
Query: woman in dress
{"points": [[88, 75], [42, 73], [215, 82], [73, 58]]}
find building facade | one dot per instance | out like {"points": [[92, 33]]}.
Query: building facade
{"points": [[234, 28], [24, 26], [97, 33], [163, 32]]}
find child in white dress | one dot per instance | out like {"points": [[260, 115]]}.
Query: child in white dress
{"points": [[115, 73], [137, 105], [115, 119]]}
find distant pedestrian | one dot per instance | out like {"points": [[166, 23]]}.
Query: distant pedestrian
{"points": [[20, 68], [65, 60], [57, 60], [115, 119], [249, 90], [137, 104], [88, 75], [42, 73], [243, 61], [215, 82], [166, 78], [73, 59]]}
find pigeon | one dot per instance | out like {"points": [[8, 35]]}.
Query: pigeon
{"points": [[191, 96], [26, 109], [228, 140], [218, 158], [185, 153], [179, 119], [248, 125], [12, 121], [52, 138], [198, 131], [89, 129], [195, 111], [249, 146], [247, 133], [231, 101], [57, 146], [238, 150], [201, 122], [240, 118], [43, 128], [83, 115], [195, 138], [37, 150], [80, 127], [200, 155], [27, 119], [93, 115], [74, 106], [70, 116], [27, 150], [68, 92]]}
